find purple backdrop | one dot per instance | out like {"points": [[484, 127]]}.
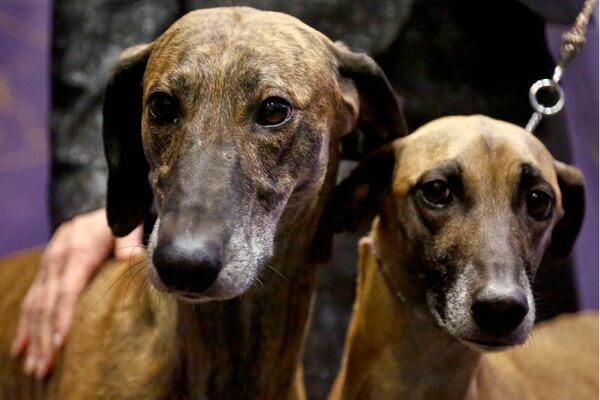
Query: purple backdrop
{"points": [[24, 28], [581, 92], [24, 34]]}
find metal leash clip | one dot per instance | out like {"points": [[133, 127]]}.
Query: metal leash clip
{"points": [[572, 42], [541, 110]]}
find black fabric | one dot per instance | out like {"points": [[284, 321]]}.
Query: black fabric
{"points": [[472, 57], [364, 25], [87, 38]]}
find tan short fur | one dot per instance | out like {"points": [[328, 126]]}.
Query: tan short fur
{"points": [[395, 347]]}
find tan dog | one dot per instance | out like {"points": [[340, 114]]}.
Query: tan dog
{"points": [[237, 116], [445, 275]]}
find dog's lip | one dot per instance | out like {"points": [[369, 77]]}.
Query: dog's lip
{"points": [[196, 297], [189, 295], [490, 344]]}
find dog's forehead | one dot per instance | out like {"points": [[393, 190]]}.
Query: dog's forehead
{"points": [[476, 144], [240, 40]]}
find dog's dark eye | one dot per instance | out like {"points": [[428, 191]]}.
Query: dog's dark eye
{"points": [[539, 204], [273, 111], [437, 193], [163, 108]]}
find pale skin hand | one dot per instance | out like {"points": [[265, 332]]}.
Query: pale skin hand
{"points": [[76, 250]]}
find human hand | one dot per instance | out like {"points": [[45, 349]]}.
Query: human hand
{"points": [[76, 250]]}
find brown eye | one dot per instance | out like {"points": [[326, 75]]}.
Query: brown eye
{"points": [[163, 108], [539, 204], [437, 193], [274, 111]]}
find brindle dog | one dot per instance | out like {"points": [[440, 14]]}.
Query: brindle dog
{"points": [[237, 116]]}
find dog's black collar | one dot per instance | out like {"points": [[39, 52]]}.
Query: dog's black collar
{"points": [[386, 276]]}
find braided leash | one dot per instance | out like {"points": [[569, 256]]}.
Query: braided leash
{"points": [[572, 42]]}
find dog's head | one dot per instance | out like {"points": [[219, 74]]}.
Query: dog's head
{"points": [[469, 205], [235, 117]]}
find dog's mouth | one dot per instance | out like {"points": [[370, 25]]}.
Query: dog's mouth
{"points": [[492, 344], [216, 292], [203, 297], [189, 297], [489, 345], [232, 282]]}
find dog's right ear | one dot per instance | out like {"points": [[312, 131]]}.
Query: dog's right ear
{"points": [[372, 107], [129, 195], [359, 197], [572, 188]]}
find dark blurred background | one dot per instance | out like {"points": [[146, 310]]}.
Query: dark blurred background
{"points": [[24, 103]]}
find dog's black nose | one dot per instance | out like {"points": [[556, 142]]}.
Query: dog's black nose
{"points": [[188, 267], [500, 313]]}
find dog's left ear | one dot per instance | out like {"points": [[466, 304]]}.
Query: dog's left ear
{"points": [[129, 195], [372, 106], [359, 197], [571, 183]]}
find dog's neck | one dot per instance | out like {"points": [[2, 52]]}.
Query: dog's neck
{"points": [[251, 346], [395, 349]]}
